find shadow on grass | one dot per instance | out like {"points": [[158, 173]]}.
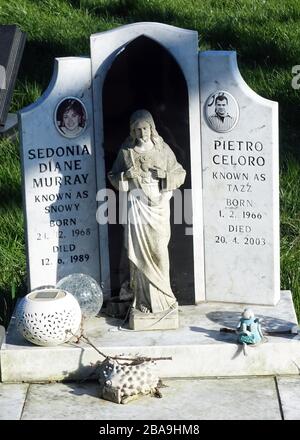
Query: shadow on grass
{"points": [[129, 11], [225, 32], [8, 300], [252, 49], [38, 58], [10, 197]]}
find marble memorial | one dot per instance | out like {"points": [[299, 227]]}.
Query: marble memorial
{"points": [[222, 243], [230, 251], [59, 178]]}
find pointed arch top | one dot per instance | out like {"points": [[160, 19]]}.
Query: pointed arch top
{"points": [[182, 44], [146, 25]]}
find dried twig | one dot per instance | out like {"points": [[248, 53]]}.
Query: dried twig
{"points": [[135, 360]]}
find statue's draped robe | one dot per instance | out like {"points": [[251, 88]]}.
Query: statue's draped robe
{"points": [[147, 232]]}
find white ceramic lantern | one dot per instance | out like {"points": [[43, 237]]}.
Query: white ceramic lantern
{"points": [[48, 317]]}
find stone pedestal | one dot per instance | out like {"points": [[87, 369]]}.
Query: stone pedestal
{"points": [[167, 320], [197, 347]]}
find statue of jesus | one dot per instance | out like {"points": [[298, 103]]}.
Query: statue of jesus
{"points": [[147, 168]]}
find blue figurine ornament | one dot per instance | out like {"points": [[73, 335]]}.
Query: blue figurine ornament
{"points": [[249, 329]]}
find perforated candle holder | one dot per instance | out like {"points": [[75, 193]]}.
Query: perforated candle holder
{"points": [[48, 317]]}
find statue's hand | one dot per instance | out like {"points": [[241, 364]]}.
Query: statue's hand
{"points": [[131, 173]]}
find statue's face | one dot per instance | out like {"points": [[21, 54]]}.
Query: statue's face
{"points": [[142, 131]]}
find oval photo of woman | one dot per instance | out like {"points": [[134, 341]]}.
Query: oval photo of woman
{"points": [[70, 117]]}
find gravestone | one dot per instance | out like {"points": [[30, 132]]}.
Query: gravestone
{"points": [[12, 42], [230, 134], [239, 138], [59, 183]]}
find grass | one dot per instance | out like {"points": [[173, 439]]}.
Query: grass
{"points": [[12, 249], [266, 36], [290, 228]]}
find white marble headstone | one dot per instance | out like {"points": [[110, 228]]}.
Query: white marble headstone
{"points": [[182, 44], [239, 136], [59, 182]]}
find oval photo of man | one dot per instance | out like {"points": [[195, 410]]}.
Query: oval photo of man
{"points": [[221, 111], [70, 117]]}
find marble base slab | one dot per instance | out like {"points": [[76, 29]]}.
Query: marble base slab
{"points": [[182, 399], [12, 397], [289, 390], [197, 347]]}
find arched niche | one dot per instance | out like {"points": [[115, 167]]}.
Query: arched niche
{"points": [[145, 75]]}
